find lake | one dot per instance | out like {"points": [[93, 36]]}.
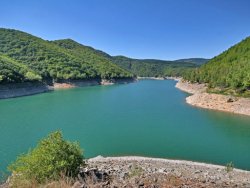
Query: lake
{"points": [[147, 118]]}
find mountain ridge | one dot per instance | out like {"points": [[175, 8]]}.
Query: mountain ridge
{"points": [[66, 59]]}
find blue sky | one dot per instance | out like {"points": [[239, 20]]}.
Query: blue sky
{"points": [[163, 29]]}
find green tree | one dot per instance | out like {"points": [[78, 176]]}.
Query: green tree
{"points": [[51, 157], [32, 76]]}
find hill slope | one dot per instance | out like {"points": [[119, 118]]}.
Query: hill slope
{"points": [[51, 61], [99, 59], [68, 60], [152, 67], [13, 72], [197, 61], [229, 71], [139, 67]]}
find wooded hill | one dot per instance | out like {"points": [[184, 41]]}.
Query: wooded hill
{"points": [[49, 60], [24, 57], [138, 67], [12, 71], [228, 72], [154, 68]]}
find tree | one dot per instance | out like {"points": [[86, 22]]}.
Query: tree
{"points": [[51, 157], [33, 77]]}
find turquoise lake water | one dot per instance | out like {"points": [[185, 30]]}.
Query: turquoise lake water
{"points": [[147, 118]]}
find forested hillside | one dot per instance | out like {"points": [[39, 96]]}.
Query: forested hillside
{"points": [[139, 67], [51, 61], [11, 71], [229, 71], [25, 57], [99, 59], [152, 67], [197, 61]]}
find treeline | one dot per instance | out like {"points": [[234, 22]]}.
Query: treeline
{"points": [[24, 57], [154, 68], [52, 60], [227, 72]]}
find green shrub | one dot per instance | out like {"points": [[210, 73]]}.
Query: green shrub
{"points": [[33, 77], [229, 167], [52, 157], [135, 171]]}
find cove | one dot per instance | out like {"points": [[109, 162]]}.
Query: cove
{"points": [[147, 118]]}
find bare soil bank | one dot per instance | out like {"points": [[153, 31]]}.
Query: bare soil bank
{"points": [[201, 98], [28, 88]]}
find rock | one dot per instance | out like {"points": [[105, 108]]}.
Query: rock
{"points": [[198, 171], [230, 100], [93, 174], [161, 170], [123, 175], [141, 184], [155, 179]]}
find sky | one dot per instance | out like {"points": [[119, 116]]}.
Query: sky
{"points": [[160, 29]]}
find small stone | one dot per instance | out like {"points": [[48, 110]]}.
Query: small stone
{"points": [[197, 171], [161, 170], [141, 184]]}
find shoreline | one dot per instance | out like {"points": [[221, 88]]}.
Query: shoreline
{"points": [[145, 172], [159, 78], [136, 171], [22, 89], [26, 89], [200, 98], [163, 160], [150, 78]]}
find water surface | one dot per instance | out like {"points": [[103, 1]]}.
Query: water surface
{"points": [[147, 118]]}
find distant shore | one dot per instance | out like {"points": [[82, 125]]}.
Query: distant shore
{"points": [[28, 88], [201, 98], [159, 78]]}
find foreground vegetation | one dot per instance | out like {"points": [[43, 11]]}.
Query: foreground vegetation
{"points": [[53, 159], [228, 72]]}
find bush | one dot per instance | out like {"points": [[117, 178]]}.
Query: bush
{"points": [[229, 167], [52, 157], [33, 77]]}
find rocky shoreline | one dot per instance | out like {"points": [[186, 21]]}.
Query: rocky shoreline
{"points": [[28, 88], [201, 98], [22, 89], [154, 172]]}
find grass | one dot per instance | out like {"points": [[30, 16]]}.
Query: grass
{"points": [[62, 182], [230, 92], [135, 171]]}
